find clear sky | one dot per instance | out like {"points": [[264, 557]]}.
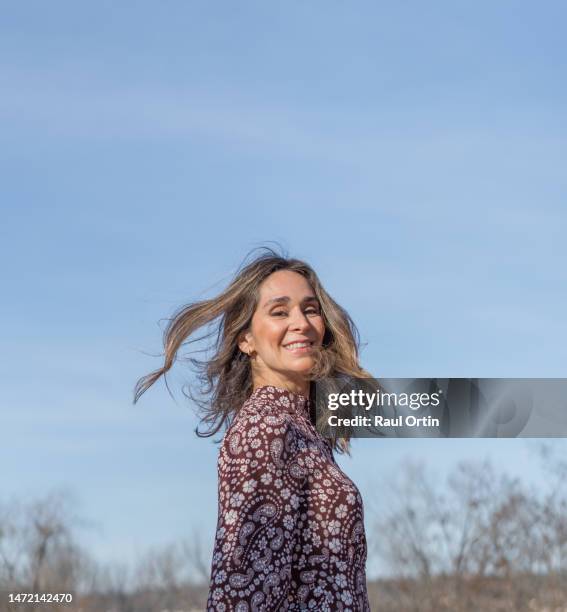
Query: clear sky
{"points": [[414, 153]]}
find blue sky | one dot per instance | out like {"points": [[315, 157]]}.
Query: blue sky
{"points": [[413, 153]]}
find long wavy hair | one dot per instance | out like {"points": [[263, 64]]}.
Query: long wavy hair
{"points": [[226, 377]]}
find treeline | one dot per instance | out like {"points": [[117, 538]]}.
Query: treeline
{"points": [[40, 553], [479, 541]]}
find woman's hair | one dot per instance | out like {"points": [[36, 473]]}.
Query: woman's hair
{"points": [[226, 377]]}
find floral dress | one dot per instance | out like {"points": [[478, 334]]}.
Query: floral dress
{"points": [[290, 532]]}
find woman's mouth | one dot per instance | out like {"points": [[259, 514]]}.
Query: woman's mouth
{"points": [[299, 347]]}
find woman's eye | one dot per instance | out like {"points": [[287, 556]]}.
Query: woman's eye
{"points": [[308, 311]]}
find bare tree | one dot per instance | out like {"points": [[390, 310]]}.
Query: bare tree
{"points": [[480, 532], [198, 560], [39, 552]]}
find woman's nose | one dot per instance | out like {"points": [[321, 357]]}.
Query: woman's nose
{"points": [[299, 320]]}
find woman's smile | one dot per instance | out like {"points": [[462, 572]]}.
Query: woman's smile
{"points": [[299, 348]]}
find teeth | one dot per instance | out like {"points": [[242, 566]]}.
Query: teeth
{"points": [[298, 345]]}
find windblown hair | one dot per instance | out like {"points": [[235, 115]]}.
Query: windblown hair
{"points": [[226, 377]]}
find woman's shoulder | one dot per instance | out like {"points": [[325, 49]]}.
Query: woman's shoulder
{"points": [[260, 420], [269, 398], [269, 416]]}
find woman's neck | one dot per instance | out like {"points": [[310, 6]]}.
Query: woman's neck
{"points": [[301, 387]]}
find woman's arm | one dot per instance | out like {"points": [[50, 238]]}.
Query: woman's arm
{"points": [[261, 487]]}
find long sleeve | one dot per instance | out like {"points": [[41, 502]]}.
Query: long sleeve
{"points": [[261, 498]]}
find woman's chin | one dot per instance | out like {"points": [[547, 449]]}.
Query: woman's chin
{"points": [[301, 366]]}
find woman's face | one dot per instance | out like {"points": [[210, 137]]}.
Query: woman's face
{"points": [[285, 327]]}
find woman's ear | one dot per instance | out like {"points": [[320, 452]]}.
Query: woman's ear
{"points": [[245, 343]]}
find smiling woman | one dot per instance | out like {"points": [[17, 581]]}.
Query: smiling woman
{"points": [[286, 330], [290, 530]]}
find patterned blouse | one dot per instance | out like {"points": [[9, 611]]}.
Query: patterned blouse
{"points": [[290, 532]]}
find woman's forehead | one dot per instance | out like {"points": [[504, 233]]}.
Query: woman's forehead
{"points": [[285, 283]]}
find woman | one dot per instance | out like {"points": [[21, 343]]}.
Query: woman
{"points": [[290, 531]]}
